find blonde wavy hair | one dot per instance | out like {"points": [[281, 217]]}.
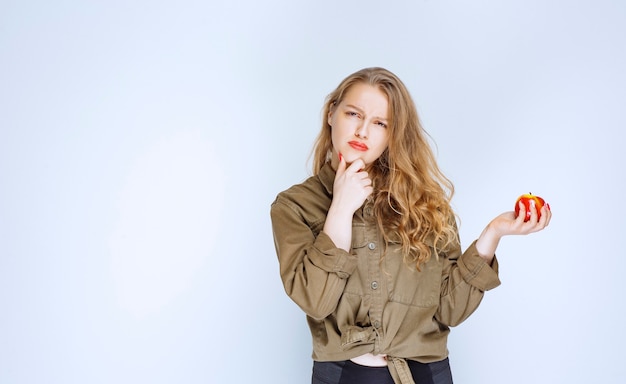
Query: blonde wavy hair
{"points": [[411, 195]]}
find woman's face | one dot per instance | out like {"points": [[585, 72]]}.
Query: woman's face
{"points": [[359, 124]]}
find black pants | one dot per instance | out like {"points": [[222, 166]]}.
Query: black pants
{"points": [[347, 372]]}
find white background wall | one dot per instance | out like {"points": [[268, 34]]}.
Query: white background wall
{"points": [[142, 143]]}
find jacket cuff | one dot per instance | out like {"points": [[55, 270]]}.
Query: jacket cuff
{"points": [[332, 259], [476, 271]]}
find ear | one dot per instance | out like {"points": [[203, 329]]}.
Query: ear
{"points": [[329, 118]]}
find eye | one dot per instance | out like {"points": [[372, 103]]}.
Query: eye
{"points": [[381, 124], [352, 113]]}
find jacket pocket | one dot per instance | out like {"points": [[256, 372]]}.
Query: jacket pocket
{"points": [[412, 287]]}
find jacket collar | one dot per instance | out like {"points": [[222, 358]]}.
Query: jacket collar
{"points": [[327, 177]]}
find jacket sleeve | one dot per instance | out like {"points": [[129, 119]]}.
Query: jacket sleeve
{"points": [[465, 279], [313, 270]]}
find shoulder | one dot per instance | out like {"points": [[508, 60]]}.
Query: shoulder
{"points": [[302, 204], [306, 193], [307, 202], [317, 189]]}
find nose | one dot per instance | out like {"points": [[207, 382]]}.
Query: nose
{"points": [[361, 130]]}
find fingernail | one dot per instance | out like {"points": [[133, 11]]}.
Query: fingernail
{"points": [[548, 205], [340, 157]]}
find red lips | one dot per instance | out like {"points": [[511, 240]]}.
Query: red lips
{"points": [[358, 145]]}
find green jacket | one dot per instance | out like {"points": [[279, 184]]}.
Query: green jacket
{"points": [[358, 302]]}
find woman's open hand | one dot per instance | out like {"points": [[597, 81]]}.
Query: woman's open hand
{"points": [[507, 224]]}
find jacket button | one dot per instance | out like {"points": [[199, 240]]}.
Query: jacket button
{"points": [[376, 324], [371, 246], [374, 285]]}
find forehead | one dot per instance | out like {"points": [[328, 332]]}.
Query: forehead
{"points": [[367, 97]]}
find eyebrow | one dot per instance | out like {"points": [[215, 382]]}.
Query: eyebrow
{"points": [[360, 110]]}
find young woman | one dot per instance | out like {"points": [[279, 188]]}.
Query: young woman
{"points": [[368, 246]]}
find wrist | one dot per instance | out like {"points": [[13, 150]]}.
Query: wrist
{"points": [[491, 232], [339, 213], [488, 242], [338, 227]]}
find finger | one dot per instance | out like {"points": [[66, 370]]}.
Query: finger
{"points": [[356, 165], [542, 221], [534, 215], [521, 216], [341, 167], [546, 215], [362, 175]]}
